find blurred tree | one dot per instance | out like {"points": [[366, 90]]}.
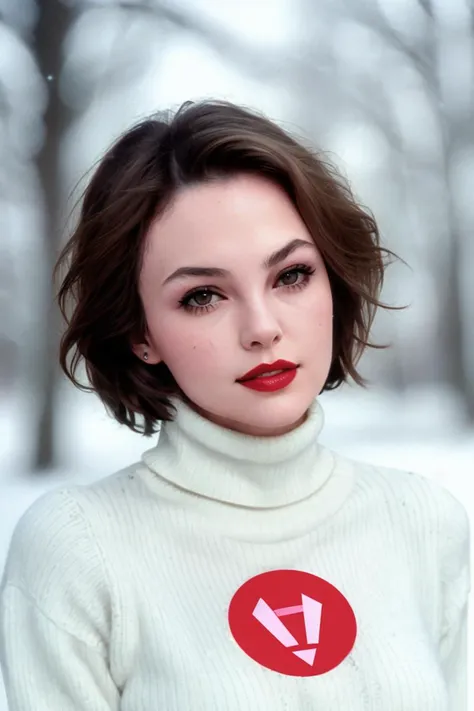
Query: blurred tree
{"points": [[453, 120], [51, 29]]}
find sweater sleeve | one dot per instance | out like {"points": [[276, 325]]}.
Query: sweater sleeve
{"points": [[55, 613], [455, 586]]}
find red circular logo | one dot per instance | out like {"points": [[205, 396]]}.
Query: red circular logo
{"points": [[292, 622]]}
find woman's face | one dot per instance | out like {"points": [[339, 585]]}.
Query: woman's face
{"points": [[212, 327]]}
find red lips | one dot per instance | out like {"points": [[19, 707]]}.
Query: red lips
{"points": [[267, 368]]}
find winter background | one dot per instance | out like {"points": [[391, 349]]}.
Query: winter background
{"points": [[385, 86]]}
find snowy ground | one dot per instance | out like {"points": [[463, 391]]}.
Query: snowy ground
{"points": [[424, 433]]}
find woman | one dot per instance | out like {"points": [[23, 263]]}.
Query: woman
{"points": [[221, 278]]}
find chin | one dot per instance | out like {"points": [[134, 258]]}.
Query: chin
{"points": [[278, 422], [270, 415]]}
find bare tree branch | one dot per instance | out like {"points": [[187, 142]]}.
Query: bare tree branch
{"points": [[259, 64], [427, 7], [368, 14]]}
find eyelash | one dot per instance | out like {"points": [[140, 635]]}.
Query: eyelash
{"points": [[303, 269]]}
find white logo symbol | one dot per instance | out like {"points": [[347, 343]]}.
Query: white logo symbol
{"points": [[270, 619]]}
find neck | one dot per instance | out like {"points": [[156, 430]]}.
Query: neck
{"points": [[243, 486], [242, 428], [258, 472]]}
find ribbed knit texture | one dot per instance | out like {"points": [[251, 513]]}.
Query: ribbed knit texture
{"points": [[115, 595]]}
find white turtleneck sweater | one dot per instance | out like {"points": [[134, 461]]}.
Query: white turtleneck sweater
{"points": [[120, 594]]}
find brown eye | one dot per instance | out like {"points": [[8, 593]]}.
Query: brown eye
{"points": [[297, 277], [200, 301], [289, 278], [202, 298]]}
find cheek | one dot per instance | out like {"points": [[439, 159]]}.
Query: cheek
{"points": [[316, 307], [187, 352], [319, 312]]}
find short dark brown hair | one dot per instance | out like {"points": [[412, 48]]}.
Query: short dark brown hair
{"points": [[133, 184]]}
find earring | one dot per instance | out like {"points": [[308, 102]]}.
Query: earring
{"points": [[145, 356]]}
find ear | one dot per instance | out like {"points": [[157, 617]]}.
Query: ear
{"points": [[146, 353]]}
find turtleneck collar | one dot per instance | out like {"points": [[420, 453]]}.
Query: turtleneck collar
{"points": [[211, 461]]}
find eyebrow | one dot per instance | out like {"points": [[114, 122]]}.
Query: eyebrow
{"points": [[271, 261]]}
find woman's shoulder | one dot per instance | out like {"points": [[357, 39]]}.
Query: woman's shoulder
{"points": [[59, 533], [55, 562], [426, 507], [411, 489], [50, 544]]}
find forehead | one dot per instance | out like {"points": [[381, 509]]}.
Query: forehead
{"points": [[216, 221]]}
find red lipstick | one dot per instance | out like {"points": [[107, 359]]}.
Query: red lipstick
{"points": [[265, 379]]}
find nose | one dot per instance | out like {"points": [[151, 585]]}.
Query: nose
{"points": [[261, 330]]}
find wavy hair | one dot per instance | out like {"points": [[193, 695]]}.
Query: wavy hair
{"points": [[134, 183]]}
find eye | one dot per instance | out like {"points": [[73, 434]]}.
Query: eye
{"points": [[290, 277], [297, 276], [200, 300]]}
